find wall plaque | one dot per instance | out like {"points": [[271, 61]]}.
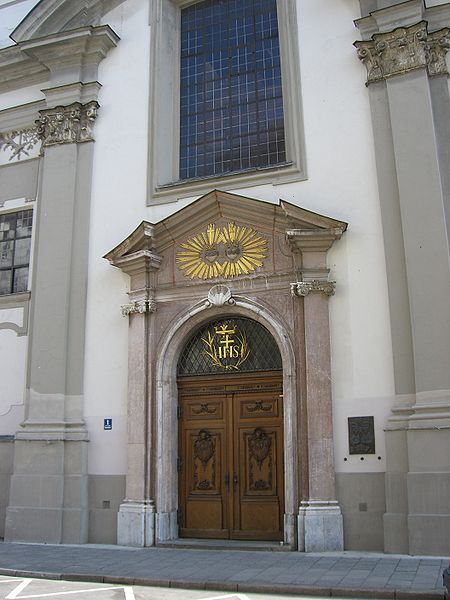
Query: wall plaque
{"points": [[361, 435]]}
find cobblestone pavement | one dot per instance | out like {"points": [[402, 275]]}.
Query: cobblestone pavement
{"points": [[344, 574]]}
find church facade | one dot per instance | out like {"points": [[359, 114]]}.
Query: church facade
{"points": [[224, 273]]}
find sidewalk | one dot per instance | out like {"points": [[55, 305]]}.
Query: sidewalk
{"points": [[350, 574]]}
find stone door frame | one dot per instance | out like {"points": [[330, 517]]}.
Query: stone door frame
{"points": [[313, 519], [166, 497]]}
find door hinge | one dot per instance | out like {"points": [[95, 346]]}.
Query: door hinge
{"points": [[179, 464], [179, 412]]}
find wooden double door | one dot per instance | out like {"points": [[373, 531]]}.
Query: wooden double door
{"points": [[230, 464]]}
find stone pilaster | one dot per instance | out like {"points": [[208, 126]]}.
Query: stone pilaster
{"points": [[49, 486], [136, 518], [320, 524], [404, 49]]}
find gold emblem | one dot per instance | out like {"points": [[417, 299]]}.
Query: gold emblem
{"points": [[222, 252], [226, 347]]}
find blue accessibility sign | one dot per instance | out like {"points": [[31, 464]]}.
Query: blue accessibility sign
{"points": [[107, 424]]}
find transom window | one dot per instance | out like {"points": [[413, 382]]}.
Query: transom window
{"points": [[230, 345], [15, 244], [231, 105]]}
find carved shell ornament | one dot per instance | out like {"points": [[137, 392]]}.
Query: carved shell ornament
{"points": [[227, 251]]}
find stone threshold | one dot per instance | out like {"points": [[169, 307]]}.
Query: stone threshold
{"points": [[213, 544]]}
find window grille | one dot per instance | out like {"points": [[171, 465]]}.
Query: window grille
{"points": [[230, 345], [231, 105], [15, 244]]}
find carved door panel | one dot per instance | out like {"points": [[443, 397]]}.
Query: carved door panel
{"points": [[231, 451], [259, 493], [203, 466]]}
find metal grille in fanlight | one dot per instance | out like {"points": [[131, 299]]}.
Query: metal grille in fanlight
{"points": [[230, 345]]}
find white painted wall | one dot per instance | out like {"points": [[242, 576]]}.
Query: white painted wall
{"points": [[341, 183], [11, 14], [118, 206]]}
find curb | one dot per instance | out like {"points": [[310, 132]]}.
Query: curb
{"points": [[228, 586]]}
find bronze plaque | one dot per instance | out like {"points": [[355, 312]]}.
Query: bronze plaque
{"points": [[361, 435]]}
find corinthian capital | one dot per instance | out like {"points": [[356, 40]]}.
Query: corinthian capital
{"points": [[304, 288], [67, 124], [404, 49]]}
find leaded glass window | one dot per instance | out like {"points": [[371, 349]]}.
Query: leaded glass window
{"points": [[15, 244], [230, 345], [231, 105]]}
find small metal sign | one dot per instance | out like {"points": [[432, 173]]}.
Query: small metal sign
{"points": [[107, 424]]}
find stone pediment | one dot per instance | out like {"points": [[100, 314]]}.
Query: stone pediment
{"points": [[208, 227], [283, 217]]}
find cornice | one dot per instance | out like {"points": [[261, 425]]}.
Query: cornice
{"points": [[142, 238], [404, 14], [72, 55], [21, 116], [61, 58], [137, 262], [314, 240], [19, 70]]}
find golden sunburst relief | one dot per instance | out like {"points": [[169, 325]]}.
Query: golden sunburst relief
{"points": [[222, 252]]}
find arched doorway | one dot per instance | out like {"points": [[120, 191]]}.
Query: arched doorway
{"points": [[231, 447]]}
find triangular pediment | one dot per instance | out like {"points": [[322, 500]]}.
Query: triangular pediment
{"points": [[214, 206]]}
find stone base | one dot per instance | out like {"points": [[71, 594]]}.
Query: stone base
{"points": [[46, 525], [290, 530], [395, 533], [166, 526], [136, 524], [320, 527], [48, 500]]}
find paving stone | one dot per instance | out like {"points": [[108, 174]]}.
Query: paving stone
{"points": [[229, 570]]}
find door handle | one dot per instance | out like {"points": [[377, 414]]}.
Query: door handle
{"points": [[235, 480]]}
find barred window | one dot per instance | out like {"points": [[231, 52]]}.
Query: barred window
{"points": [[231, 104], [15, 245]]}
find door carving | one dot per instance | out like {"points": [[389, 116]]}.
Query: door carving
{"points": [[231, 457]]}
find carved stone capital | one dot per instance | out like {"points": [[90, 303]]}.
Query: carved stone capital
{"points": [[436, 49], [404, 49], [67, 124], [139, 306], [303, 288]]}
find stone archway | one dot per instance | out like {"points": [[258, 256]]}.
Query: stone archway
{"points": [[167, 399]]}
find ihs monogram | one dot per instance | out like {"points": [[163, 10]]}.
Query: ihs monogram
{"points": [[222, 252], [226, 347]]}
